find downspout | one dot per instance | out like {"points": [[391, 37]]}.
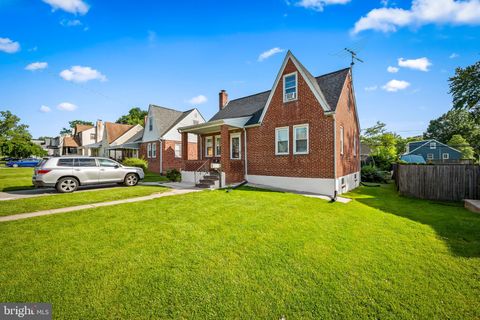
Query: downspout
{"points": [[245, 162], [335, 192], [161, 155]]}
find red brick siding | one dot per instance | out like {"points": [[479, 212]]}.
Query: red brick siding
{"points": [[153, 163], [168, 155], [319, 163]]}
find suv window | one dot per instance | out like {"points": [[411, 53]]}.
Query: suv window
{"points": [[65, 162], [107, 163], [85, 162]]}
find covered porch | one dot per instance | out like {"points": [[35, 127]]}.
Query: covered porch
{"points": [[123, 151]]}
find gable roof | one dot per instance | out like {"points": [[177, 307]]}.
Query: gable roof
{"points": [[69, 141], [166, 118], [116, 130], [82, 127], [423, 143]]}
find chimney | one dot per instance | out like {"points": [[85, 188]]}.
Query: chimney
{"points": [[222, 99], [99, 131], [145, 121]]}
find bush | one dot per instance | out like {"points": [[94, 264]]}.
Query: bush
{"points": [[174, 175], [372, 174], [135, 162]]}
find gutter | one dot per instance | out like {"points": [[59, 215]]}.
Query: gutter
{"points": [[245, 147], [335, 191], [161, 155]]}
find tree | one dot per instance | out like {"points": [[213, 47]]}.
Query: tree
{"points": [[458, 142], [134, 116], [465, 88], [72, 125], [382, 143], [402, 143]]}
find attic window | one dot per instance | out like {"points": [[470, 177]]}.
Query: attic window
{"points": [[290, 87], [150, 124], [433, 145]]}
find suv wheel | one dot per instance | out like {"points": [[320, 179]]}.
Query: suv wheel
{"points": [[131, 180], [67, 185]]}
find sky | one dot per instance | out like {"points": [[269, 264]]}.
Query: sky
{"points": [[62, 60]]}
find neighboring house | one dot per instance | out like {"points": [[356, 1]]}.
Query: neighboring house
{"points": [[432, 151], [87, 135], [301, 135], [161, 143], [115, 135]]}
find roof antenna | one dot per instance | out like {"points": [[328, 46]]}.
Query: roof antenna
{"points": [[354, 57]]}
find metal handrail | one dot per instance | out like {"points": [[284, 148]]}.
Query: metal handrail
{"points": [[198, 169]]}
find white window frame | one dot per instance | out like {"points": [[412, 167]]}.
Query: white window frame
{"points": [[179, 155], [305, 125], [239, 136], [206, 146], [433, 145], [149, 150], [430, 156], [154, 150], [219, 137], [445, 156], [276, 141], [342, 140], [296, 86]]}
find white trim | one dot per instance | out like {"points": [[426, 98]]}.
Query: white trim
{"points": [[445, 154], [154, 150], [295, 73], [323, 186], [175, 150], [149, 150], [433, 145], [239, 136], [430, 156], [342, 140], [295, 138], [206, 146], [215, 151], [288, 141]]}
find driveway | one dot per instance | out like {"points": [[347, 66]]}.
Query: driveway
{"points": [[29, 193]]}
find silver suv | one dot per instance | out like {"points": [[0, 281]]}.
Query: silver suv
{"points": [[67, 173]]}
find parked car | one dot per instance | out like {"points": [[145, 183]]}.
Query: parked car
{"points": [[66, 174], [30, 162]]}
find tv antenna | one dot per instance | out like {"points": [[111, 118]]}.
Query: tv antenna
{"points": [[354, 57]]}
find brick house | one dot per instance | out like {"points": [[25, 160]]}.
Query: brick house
{"points": [[301, 135], [161, 142]]}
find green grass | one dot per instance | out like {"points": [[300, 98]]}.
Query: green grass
{"points": [[249, 254], [154, 177], [55, 201], [15, 178]]}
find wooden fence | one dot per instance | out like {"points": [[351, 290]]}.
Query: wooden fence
{"points": [[452, 182]]}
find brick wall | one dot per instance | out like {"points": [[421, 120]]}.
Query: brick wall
{"points": [[153, 163], [319, 163], [168, 157]]}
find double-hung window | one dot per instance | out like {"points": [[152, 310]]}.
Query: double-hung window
{"points": [[149, 150], [290, 87], [281, 141], [445, 156], [178, 150], [429, 156], [154, 150], [433, 145], [208, 147], [300, 139], [218, 146], [235, 146]]}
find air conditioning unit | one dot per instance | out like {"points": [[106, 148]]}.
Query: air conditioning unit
{"points": [[290, 96]]}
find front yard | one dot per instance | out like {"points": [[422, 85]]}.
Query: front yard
{"points": [[249, 254]]}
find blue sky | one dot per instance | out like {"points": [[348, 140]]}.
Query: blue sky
{"points": [[179, 54]]}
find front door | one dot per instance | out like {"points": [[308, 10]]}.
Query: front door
{"points": [[110, 171]]}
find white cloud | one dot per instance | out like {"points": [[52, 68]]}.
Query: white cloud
{"points": [[454, 55], [267, 54], [82, 74], [45, 109], [71, 23], [421, 64], [66, 106], [392, 69], [318, 5], [466, 12], [36, 66], [72, 6], [200, 99], [371, 88], [9, 46], [395, 85]]}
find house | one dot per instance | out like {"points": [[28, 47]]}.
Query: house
{"points": [[432, 151], [161, 142], [115, 135], [86, 135], [301, 135]]}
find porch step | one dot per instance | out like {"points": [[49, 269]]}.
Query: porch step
{"points": [[203, 185], [207, 181]]}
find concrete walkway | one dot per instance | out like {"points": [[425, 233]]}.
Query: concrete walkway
{"points": [[178, 190]]}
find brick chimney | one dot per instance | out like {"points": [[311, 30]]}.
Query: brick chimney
{"points": [[99, 130], [222, 99]]}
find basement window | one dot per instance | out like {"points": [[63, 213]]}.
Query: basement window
{"points": [[290, 87]]}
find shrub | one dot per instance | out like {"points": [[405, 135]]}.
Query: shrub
{"points": [[135, 162], [174, 175], [372, 174]]}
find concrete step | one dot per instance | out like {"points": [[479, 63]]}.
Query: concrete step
{"points": [[203, 185], [472, 205], [210, 177], [207, 181]]}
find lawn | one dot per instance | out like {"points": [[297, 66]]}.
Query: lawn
{"points": [[154, 177], [249, 254], [15, 178], [55, 201]]}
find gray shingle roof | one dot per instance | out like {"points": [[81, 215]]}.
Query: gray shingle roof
{"points": [[166, 118], [331, 85]]}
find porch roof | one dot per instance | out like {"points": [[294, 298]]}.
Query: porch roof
{"points": [[125, 146], [215, 125]]}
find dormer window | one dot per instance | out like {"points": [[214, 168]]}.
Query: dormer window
{"points": [[290, 87]]}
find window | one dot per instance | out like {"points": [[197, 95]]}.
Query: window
{"points": [[341, 140], [445, 156], [218, 146], [208, 147], [178, 150], [150, 124], [149, 150], [290, 87], [68, 162], [281, 141], [93, 136], [154, 150], [300, 139], [85, 162], [433, 145], [235, 146], [107, 163], [430, 156]]}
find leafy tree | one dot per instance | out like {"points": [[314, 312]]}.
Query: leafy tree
{"points": [[65, 131], [402, 143], [459, 143], [134, 116], [382, 143], [465, 88]]}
